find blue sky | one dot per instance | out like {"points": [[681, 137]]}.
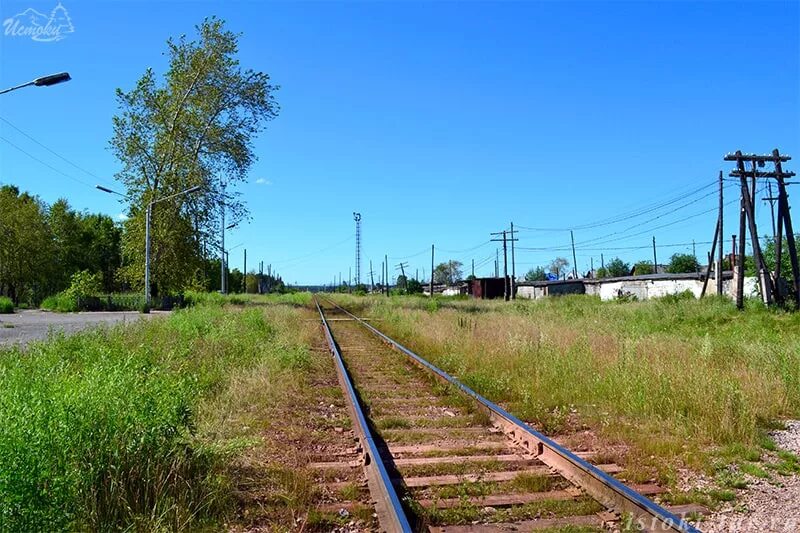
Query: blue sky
{"points": [[440, 122]]}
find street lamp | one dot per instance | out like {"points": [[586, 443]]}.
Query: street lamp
{"points": [[44, 81], [147, 232]]}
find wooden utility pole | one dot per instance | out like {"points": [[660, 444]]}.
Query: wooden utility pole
{"points": [[655, 261], [402, 266], [432, 270], [506, 281], [770, 289], [574, 258], [710, 259], [785, 219], [772, 199], [513, 266]]}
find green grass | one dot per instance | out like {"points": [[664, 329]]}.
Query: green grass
{"points": [[125, 428], [6, 305], [680, 380]]}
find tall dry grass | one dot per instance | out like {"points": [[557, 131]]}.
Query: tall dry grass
{"points": [[676, 378]]}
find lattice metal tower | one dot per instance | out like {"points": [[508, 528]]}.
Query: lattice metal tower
{"points": [[357, 218]]}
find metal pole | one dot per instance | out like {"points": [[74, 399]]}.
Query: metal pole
{"points": [[574, 258], [244, 277], [718, 272], [386, 262], [222, 249], [147, 254]]}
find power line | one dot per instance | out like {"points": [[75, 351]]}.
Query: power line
{"points": [[54, 169], [630, 214], [95, 176], [311, 255]]}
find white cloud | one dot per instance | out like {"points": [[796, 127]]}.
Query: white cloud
{"points": [[262, 181], [122, 217]]}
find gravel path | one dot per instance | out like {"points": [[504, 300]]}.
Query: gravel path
{"points": [[767, 505], [25, 326]]}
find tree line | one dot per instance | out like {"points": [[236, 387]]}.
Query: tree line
{"points": [[192, 128]]}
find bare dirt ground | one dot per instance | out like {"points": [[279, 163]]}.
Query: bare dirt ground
{"points": [[767, 505], [25, 326]]}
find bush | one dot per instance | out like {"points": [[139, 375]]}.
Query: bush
{"points": [[6, 305], [60, 303]]}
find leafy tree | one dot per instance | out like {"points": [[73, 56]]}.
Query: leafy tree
{"points": [[559, 266], [614, 269], [26, 247], [402, 281], [235, 280], [642, 268], [448, 273], [194, 128], [680, 263], [536, 274], [414, 287]]}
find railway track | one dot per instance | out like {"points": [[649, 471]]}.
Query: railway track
{"points": [[439, 457]]}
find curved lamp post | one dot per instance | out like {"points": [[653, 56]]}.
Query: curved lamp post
{"points": [[147, 231]]}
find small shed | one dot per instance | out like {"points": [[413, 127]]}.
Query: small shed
{"points": [[487, 288]]}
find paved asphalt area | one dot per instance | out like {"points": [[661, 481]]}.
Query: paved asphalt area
{"points": [[25, 326]]}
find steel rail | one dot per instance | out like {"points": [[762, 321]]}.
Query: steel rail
{"points": [[391, 515], [646, 514]]}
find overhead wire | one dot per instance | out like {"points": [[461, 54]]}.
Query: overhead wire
{"points": [[54, 169], [95, 176], [649, 208]]}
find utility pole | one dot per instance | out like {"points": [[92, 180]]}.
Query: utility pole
{"points": [[506, 281], [383, 284], [244, 277], [591, 267], [747, 218], [386, 262], [771, 199], [602, 261], [402, 266], [473, 268], [222, 287], [513, 266], [574, 258], [720, 229], [432, 251], [496, 263], [371, 278], [785, 221], [349, 279], [655, 261]]}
